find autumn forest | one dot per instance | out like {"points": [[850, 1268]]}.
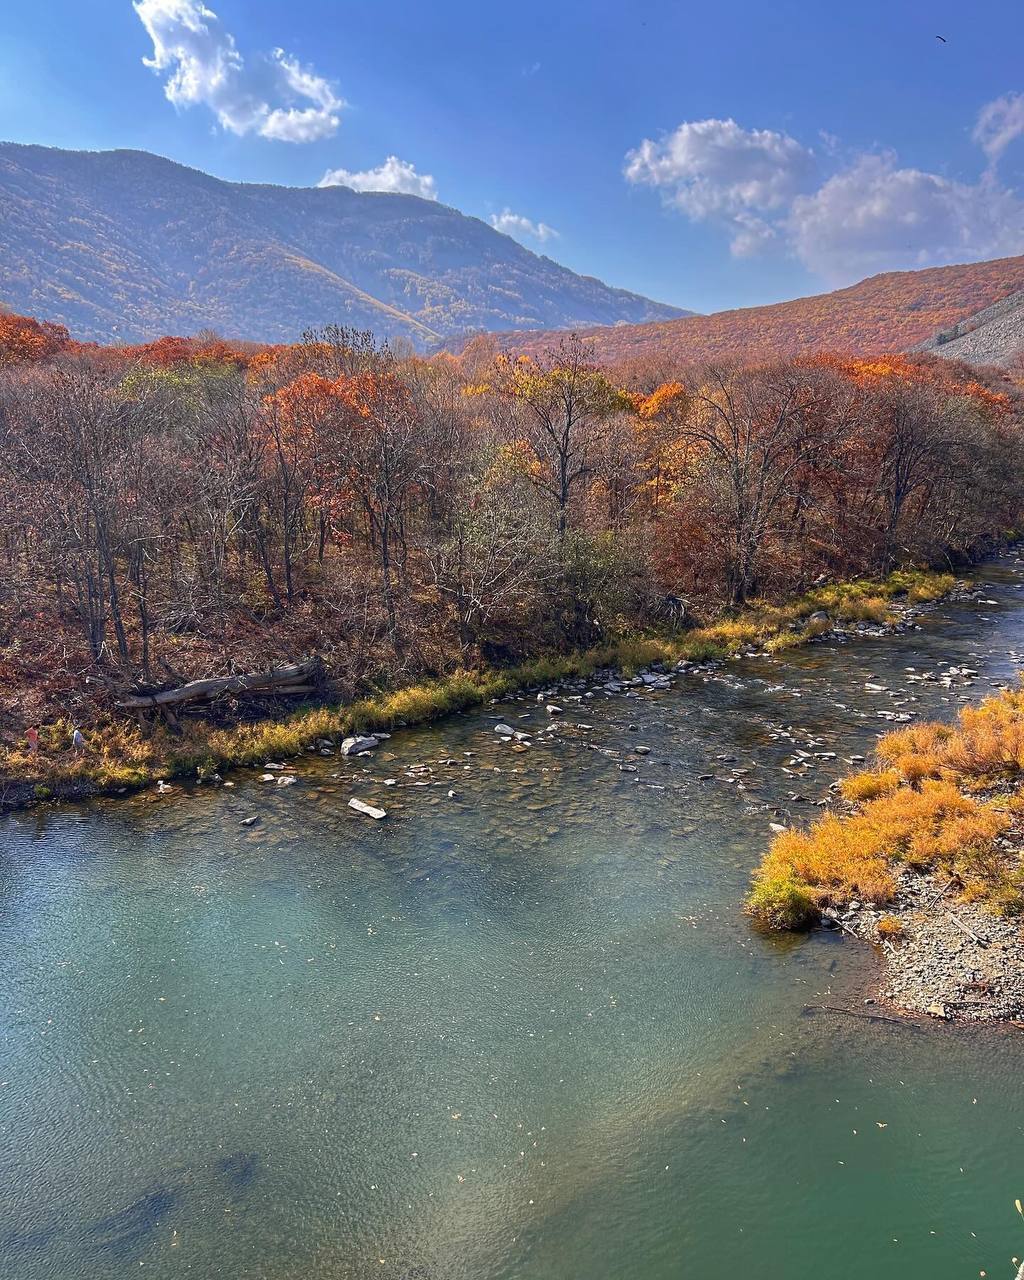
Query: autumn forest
{"points": [[190, 508]]}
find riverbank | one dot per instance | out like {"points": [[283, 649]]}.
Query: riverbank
{"points": [[942, 956], [119, 757], [923, 856]]}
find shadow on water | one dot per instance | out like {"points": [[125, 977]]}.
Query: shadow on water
{"points": [[239, 1170], [126, 1232]]}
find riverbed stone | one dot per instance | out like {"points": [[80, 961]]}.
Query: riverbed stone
{"points": [[369, 810]]}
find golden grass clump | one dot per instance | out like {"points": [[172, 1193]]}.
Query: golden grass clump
{"points": [[917, 809], [986, 744], [869, 785], [890, 928], [840, 858], [871, 609]]}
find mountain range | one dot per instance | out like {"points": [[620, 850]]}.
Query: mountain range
{"points": [[124, 246]]}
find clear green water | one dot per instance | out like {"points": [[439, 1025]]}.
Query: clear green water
{"points": [[524, 1032]]}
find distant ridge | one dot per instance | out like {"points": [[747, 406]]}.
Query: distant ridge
{"points": [[123, 246], [896, 311]]}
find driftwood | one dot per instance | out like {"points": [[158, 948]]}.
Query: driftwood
{"points": [[941, 892], [982, 942], [856, 1013], [296, 678]]}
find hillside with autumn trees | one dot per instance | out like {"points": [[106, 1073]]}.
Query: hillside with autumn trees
{"points": [[896, 311], [191, 508], [123, 246]]}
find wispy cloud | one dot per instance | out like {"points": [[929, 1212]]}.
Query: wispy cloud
{"points": [[393, 175], [999, 123], [517, 226], [879, 216], [272, 95]]}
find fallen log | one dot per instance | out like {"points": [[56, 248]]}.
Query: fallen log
{"points": [[941, 892], [296, 678]]}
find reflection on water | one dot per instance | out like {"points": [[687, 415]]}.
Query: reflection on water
{"points": [[521, 1029]]}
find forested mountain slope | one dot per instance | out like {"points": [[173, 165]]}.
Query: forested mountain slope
{"points": [[123, 246], [891, 312]]}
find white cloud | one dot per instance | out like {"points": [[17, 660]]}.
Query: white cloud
{"points": [[393, 175], [870, 215], [716, 170], [204, 67], [876, 216], [751, 235], [517, 226], [999, 123]]}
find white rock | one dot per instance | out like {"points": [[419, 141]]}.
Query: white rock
{"points": [[369, 810], [353, 746]]}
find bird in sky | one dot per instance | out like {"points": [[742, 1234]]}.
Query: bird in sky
{"points": [[943, 39]]}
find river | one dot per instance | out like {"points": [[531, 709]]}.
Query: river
{"points": [[522, 1031]]}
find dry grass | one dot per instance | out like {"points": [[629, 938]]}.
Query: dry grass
{"points": [[859, 787], [925, 806], [890, 928], [987, 744]]}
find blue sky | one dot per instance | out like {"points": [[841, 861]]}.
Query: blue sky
{"points": [[710, 155]]}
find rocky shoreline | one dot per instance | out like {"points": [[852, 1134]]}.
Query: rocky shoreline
{"points": [[950, 959], [18, 792]]}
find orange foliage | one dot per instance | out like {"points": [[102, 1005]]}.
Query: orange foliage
{"points": [[25, 339], [661, 400], [169, 351], [878, 371]]}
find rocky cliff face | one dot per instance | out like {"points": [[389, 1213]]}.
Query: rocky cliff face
{"points": [[994, 335]]}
